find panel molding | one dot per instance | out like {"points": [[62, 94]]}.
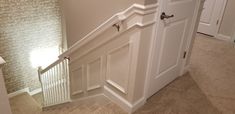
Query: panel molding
{"points": [[90, 88], [75, 91], [166, 69], [111, 82], [115, 85]]}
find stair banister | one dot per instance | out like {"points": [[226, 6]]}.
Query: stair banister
{"points": [[54, 80], [55, 77]]}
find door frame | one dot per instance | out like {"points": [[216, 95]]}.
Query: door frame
{"points": [[220, 18], [188, 44]]}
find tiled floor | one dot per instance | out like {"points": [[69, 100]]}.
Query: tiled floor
{"points": [[209, 88]]}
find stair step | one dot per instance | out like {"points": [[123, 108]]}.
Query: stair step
{"points": [[24, 104]]}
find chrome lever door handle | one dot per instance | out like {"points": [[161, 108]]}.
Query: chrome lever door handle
{"points": [[164, 16]]}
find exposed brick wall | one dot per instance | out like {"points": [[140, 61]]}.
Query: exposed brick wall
{"points": [[26, 25]]}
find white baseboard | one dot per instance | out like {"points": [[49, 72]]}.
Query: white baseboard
{"points": [[185, 70], [138, 104], [86, 98], [35, 91], [123, 103], [224, 37], [25, 90]]}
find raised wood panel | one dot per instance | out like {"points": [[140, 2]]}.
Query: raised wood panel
{"points": [[94, 73], [118, 67], [172, 45], [77, 81]]}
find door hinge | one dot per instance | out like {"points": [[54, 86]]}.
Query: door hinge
{"points": [[185, 53], [217, 22]]}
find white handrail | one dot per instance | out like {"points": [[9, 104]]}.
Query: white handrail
{"points": [[52, 65], [134, 9]]}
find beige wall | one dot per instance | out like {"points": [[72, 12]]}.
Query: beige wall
{"points": [[228, 23], [83, 16]]}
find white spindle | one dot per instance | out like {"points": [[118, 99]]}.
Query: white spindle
{"points": [[66, 83], [67, 78], [55, 83]]}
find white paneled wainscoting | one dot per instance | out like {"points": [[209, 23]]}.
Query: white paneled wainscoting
{"points": [[112, 60]]}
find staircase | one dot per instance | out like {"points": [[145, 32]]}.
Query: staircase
{"points": [[107, 61]]}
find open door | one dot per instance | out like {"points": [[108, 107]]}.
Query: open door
{"points": [[173, 30], [211, 17]]}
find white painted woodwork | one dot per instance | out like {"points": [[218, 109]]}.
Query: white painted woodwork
{"points": [[4, 102], [116, 63], [107, 61], [171, 37], [211, 16], [94, 73], [118, 67], [55, 83], [76, 80]]}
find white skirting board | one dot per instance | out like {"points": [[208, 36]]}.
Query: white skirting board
{"points": [[123, 103], [26, 90], [224, 37]]}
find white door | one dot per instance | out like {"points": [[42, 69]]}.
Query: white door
{"points": [[171, 37], [211, 16]]}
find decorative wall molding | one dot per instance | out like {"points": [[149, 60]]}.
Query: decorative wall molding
{"points": [[79, 76], [113, 82], [97, 84]]}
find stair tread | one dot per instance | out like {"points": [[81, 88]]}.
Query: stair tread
{"points": [[24, 104]]}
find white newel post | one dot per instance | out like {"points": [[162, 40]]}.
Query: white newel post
{"points": [[4, 102]]}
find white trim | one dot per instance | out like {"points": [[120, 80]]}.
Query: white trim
{"points": [[138, 104], [123, 103], [77, 92], [36, 91], [223, 37], [25, 90], [118, 87], [185, 70], [221, 17], [189, 45], [150, 56], [86, 98], [119, 17]]}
